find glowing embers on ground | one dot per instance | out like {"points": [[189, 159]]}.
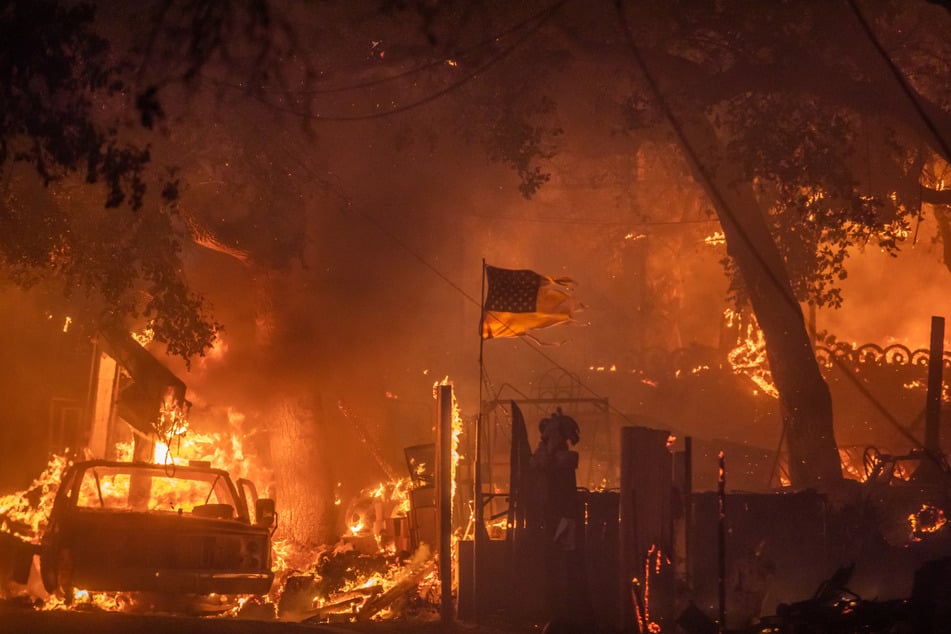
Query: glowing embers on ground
{"points": [[373, 571], [346, 583], [926, 520]]}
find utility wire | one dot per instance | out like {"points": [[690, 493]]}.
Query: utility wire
{"points": [[465, 79], [902, 82], [405, 73], [595, 223]]}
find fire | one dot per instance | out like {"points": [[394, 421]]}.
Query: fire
{"points": [[358, 578], [145, 336], [653, 565], [224, 450], [386, 500], [23, 513], [927, 519], [853, 466], [456, 433], [749, 355], [176, 442]]}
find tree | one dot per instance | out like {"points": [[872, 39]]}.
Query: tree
{"points": [[78, 103], [775, 110], [115, 256]]}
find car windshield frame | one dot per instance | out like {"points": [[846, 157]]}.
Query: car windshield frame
{"points": [[155, 488]]}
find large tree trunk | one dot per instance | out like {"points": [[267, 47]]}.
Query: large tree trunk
{"points": [[304, 490], [804, 398], [304, 487]]}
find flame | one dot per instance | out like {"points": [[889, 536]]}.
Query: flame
{"points": [[24, 518], [853, 466], [177, 443], [145, 336], [652, 566], [749, 355], [364, 518], [456, 433], [172, 421], [386, 500], [24, 513], [927, 519]]}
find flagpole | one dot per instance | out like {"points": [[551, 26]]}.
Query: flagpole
{"points": [[477, 471]]}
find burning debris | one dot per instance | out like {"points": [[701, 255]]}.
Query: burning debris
{"points": [[366, 575], [346, 584]]}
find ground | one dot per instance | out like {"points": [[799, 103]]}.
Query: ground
{"points": [[17, 619]]}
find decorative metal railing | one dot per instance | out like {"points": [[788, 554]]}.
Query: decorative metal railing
{"points": [[659, 363], [892, 355]]}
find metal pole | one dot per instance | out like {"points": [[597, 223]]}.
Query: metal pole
{"points": [[626, 532], [444, 498], [721, 543], [933, 398], [477, 523], [688, 507]]}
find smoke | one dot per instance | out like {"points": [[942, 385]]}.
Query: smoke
{"points": [[892, 299]]}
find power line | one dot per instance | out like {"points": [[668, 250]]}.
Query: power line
{"points": [[465, 79], [902, 82], [597, 223], [400, 75]]}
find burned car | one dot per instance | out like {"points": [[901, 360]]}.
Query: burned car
{"points": [[150, 528]]}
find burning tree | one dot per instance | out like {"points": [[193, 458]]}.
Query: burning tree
{"points": [[800, 164]]}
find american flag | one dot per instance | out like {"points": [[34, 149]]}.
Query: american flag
{"points": [[511, 291], [520, 300]]}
